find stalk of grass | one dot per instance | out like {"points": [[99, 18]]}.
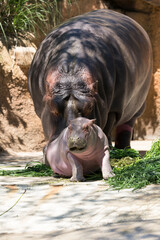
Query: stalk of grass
{"points": [[4, 34]]}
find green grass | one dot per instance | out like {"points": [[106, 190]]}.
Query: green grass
{"points": [[141, 172], [121, 153], [19, 16], [131, 171], [38, 170]]}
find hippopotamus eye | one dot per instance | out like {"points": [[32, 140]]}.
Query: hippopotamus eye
{"points": [[55, 91], [58, 86], [86, 128]]}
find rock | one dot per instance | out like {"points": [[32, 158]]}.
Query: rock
{"points": [[23, 55], [154, 2]]}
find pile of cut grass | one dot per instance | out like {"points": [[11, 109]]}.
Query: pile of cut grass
{"points": [[36, 170], [141, 172], [131, 171]]}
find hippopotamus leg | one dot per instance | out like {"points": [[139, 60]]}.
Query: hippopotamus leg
{"points": [[77, 169], [123, 136], [50, 123], [106, 167], [109, 126], [124, 131], [48, 129], [44, 159]]}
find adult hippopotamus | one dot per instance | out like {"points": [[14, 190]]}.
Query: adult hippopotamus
{"points": [[97, 65], [80, 149]]}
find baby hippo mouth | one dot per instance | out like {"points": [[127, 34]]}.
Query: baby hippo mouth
{"points": [[76, 144]]}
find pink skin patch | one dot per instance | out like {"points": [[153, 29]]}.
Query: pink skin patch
{"points": [[122, 128], [86, 76], [51, 79], [54, 75]]}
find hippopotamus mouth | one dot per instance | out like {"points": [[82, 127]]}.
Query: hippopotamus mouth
{"points": [[72, 149], [77, 144]]}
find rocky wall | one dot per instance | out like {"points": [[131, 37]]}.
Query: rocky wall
{"points": [[20, 128]]}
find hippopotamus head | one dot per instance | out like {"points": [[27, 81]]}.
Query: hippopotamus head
{"points": [[70, 91], [79, 134]]}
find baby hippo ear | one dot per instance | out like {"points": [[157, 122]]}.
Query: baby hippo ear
{"points": [[91, 122]]}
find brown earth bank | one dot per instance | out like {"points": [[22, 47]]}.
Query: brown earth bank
{"points": [[20, 128]]}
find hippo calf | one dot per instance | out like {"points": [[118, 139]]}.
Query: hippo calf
{"points": [[98, 66], [80, 149]]}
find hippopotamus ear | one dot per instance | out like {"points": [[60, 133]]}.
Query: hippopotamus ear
{"points": [[89, 123], [92, 121]]}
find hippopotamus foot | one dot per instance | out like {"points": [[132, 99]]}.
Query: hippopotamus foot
{"points": [[77, 179], [123, 136], [107, 175]]}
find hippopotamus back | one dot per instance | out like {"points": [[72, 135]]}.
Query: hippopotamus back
{"points": [[97, 65]]}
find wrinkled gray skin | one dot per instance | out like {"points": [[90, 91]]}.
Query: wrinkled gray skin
{"points": [[80, 149], [97, 65]]}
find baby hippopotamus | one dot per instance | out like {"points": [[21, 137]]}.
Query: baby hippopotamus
{"points": [[81, 148]]}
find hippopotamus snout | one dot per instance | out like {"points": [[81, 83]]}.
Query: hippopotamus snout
{"points": [[76, 143]]}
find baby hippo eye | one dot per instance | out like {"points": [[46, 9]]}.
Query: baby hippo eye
{"points": [[86, 128]]}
